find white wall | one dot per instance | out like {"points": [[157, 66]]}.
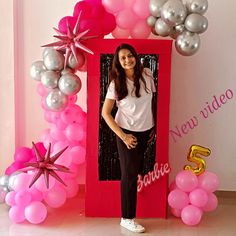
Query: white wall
{"points": [[195, 80]]}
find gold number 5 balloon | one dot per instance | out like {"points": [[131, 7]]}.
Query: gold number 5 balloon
{"points": [[194, 156]]}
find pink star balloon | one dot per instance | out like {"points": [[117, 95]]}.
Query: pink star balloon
{"points": [[71, 40], [46, 166]]}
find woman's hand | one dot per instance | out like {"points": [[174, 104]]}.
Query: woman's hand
{"points": [[130, 141]]}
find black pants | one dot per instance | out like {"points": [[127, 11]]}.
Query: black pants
{"points": [[131, 164]]}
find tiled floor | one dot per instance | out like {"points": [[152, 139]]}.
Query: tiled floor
{"points": [[69, 220]]}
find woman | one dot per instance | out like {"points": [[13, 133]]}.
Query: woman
{"points": [[131, 87]]}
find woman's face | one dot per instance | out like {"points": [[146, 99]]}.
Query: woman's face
{"points": [[126, 59]]}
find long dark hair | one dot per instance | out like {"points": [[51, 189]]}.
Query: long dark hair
{"points": [[117, 73]]}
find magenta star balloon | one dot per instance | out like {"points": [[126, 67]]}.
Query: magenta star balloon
{"points": [[71, 40], [46, 166]]}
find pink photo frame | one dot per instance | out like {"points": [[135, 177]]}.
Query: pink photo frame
{"points": [[103, 197]]}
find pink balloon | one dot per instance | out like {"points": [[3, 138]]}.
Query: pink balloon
{"points": [[113, 6], [22, 198], [74, 171], [83, 7], [62, 25], [45, 134], [36, 212], [72, 99], [72, 114], [95, 28], [43, 104], [129, 3], [40, 183], [42, 150], [175, 212], [84, 67], [140, 30], [10, 198], [77, 154], [57, 134], [97, 11], [141, 8], [60, 124], [211, 204], [75, 132], [41, 90], [191, 215], [47, 116], [186, 180], [23, 154], [108, 23], [55, 116], [55, 197], [21, 182], [119, 33], [178, 199], [126, 19], [64, 158], [208, 181], [58, 146], [36, 195], [16, 214], [72, 188], [198, 197], [15, 166]]}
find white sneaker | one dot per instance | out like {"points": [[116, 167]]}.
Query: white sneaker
{"points": [[131, 225]]}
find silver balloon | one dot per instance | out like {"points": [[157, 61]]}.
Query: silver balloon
{"points": [[73, 64], [54, 60], [196, 23], [155, 7], [197, 6], [162, 28], [50, 79], [177, 30], [36, 70], [3, 193], [12, 178], [69, 84], [47, 50], [173, 12], [187, 43], [151, 20], [66, 70], [4, 180], [56, 100]]}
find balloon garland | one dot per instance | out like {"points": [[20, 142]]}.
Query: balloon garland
{"points": [[192, 191], [58, 82]]}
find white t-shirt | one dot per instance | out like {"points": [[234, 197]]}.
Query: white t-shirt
{"points": [[135, 113]]}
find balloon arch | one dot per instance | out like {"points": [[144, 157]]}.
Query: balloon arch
{"points": [[46, 174]]}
